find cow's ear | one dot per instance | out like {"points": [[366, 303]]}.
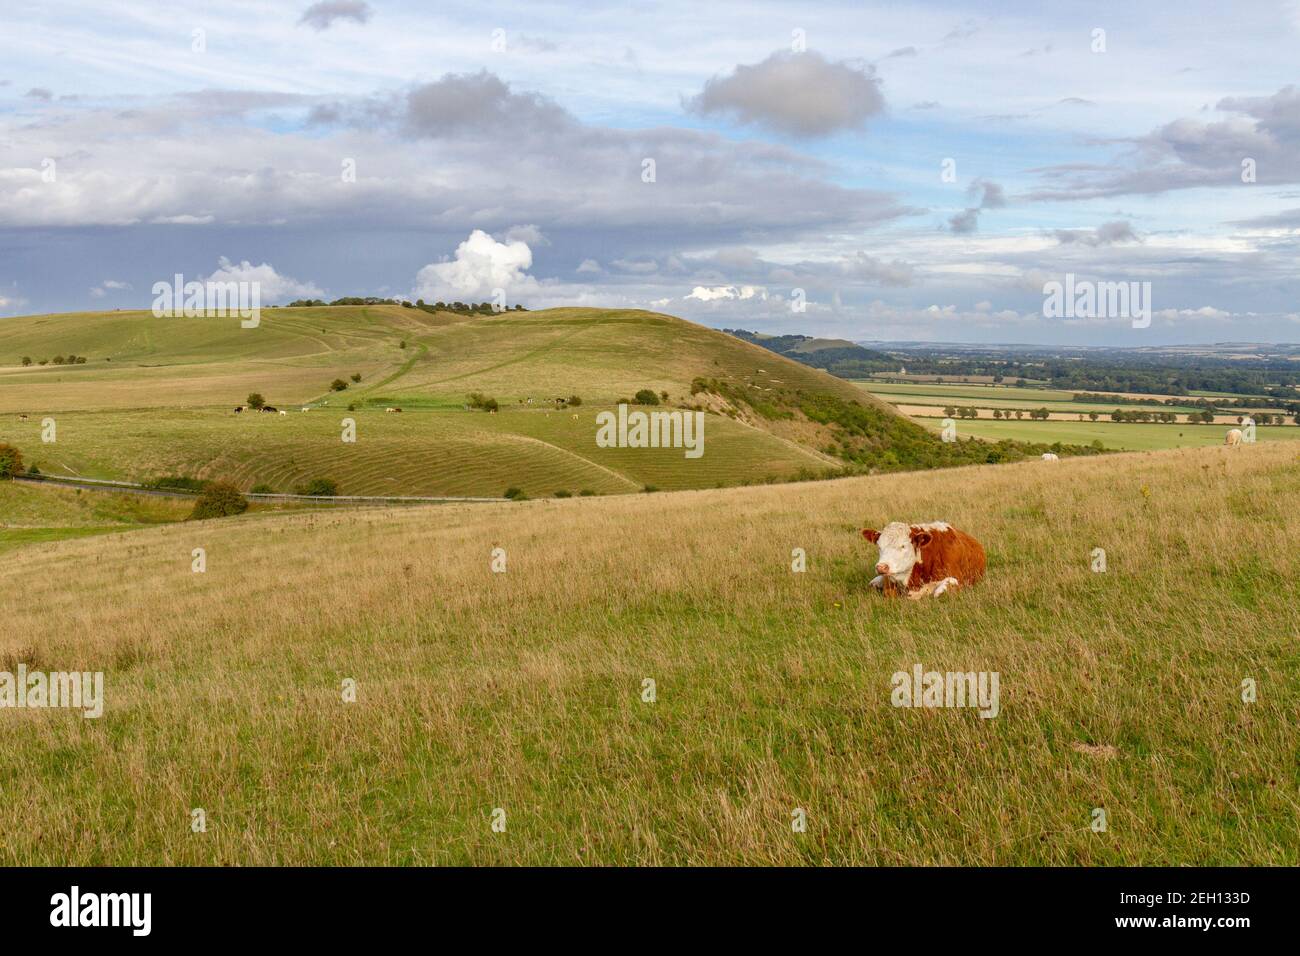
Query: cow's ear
{"points": [[920, 537], [870, 535]]}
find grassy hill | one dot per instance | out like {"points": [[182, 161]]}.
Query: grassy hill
{"points": [[156, 397], [523, 690]]}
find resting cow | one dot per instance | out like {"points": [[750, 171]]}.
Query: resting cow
{"points": [[923, 559], [1048, 456]]}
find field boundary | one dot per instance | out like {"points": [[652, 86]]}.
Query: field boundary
{"points": [[131, 487]]}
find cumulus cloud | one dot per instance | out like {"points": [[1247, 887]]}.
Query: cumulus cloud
{"points": [[528, 234], [713, 293], [321, 16], [800, 94], [274, 287], [481, 265]]}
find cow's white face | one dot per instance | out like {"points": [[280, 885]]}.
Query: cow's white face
{"points": [[899, 546]]}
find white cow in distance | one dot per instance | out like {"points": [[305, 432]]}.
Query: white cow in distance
{"points": [[1048, 456], [1233, 438]]}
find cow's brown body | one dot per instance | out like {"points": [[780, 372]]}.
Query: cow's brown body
{"points": [[943, 552]]}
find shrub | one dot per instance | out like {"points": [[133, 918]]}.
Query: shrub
{"points": [[356, 376], [177, 483], [318, 488], [563, 494], [647, 396], [219, 500], [263, 489], [33, 471], [513, 492], [586, 493], [27, 360], [650, 489], [11, 461], [479, 400], [575, 400], [338, 385], [255, 400]]}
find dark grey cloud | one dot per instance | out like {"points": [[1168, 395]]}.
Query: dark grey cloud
{"points": [[901, 51], [1191, 153], [800, 94], [39, 93], [989, 195], [321, 16], [965, 222], [1107, 234]]}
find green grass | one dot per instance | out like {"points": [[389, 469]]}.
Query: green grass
{"points": [[523, 690]]}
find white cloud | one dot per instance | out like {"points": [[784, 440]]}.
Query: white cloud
{"points": [[274, 287], [107, 286], [589, 266], [712, 293], [481, 265]]}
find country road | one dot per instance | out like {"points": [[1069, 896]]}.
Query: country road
{"points": [[122, 487]]}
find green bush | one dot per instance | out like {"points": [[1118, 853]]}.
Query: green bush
{"points": [[338, 385], [647, 396], [318, 488], [177, 483], [563, 494], [513, 492], [219, 500], [586, 493], [575, 400], [263, 489], [255, 400], [11, 461], [479, 400]]}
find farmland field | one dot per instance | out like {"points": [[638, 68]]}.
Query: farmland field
{"points": [[1116, 435]]}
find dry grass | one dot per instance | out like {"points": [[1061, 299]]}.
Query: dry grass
{"points": [[522, 690]]}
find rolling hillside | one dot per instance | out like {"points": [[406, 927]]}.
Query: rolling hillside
{"points": [[525, 690], [155, 397]]}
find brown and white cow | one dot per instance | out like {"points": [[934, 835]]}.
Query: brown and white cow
{"points": [[923, 559]]}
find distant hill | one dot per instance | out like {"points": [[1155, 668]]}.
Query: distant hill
{"points": [[840, 357]]}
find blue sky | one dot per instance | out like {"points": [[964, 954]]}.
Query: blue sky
{"points": [[798, 153]]}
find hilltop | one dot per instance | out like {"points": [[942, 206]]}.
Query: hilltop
{"points": [[155, 396]]}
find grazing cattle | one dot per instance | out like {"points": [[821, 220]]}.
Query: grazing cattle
{"points": [[239, 409], [390, 409], [283, 412], [923, 559], [1233, 438], [306, 408], [269, 408], [22, 418], [1048, 456]]}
